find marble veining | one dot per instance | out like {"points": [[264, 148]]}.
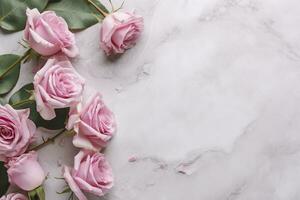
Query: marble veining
{"points": [[207, 102]]}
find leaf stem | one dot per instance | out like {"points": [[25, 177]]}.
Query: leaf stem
{"points": [[25, 56], [49, 140], [99, 9]]}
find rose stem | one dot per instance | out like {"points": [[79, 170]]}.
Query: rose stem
{"points": [[120, 6], [24, 57], [99, 9], [49, 140], [112, 6]]}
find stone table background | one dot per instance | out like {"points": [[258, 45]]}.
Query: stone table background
{"points": [[207, 102]]}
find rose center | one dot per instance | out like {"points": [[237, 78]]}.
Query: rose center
{"points": [[6, 133]]}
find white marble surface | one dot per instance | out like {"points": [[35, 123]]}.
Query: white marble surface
{"points": [[208, 102]]}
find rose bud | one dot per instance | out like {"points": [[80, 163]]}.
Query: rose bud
{"points": [[14, 196], [91, 173], [48, 34], [16, 131], [25, 171], [57, 85], [94, 124], [120, 31]]}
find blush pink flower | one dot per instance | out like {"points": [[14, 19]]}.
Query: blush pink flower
{"points": [[14, 196], [94, 125], [91, 173], [48, 34], [120, 31], [57, 85], [16, 131], [25, 171]]}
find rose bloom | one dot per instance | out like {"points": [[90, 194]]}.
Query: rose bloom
{"points": [[48, 34], [94, 124], [57, 85], [120, 31], [25, 171], [16, 131], [14, 196], [91, 173]]}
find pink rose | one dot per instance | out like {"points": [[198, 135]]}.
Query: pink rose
{"points": [[57, 85], [120, 31], [48, 34], [91, 173], [25, 171], [16, 131], [94, 125], [14, 196]]}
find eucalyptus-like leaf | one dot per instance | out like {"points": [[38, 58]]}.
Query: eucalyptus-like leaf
{"points": [[24, 98], [79, 14], [12, 12], [4, 184], [37, 194], [9, 72]]}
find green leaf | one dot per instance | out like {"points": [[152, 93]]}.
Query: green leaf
{"points": [[4, 184], [79, 14], [58, 122], [9, 72], [66, 190], [2, 101], [99, 5], [24, 98], [37, 194], [12, 12]]}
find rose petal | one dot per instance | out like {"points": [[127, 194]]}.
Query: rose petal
{"points": [[72, 184]]}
